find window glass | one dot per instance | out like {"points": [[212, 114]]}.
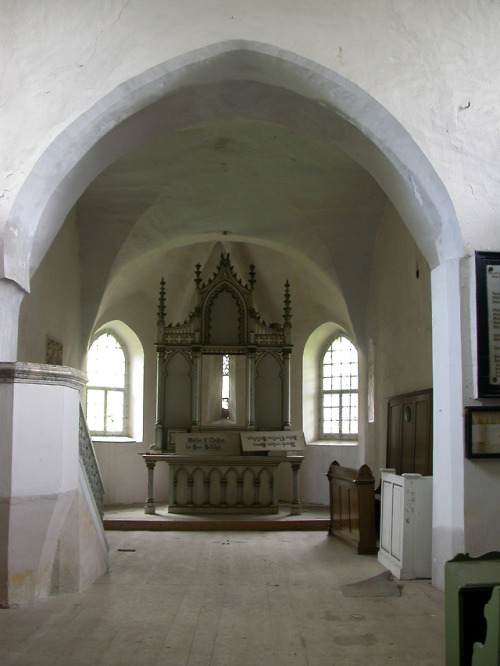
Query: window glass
{"points": [[114, 411], [106, 363], [339, 408], [106, 372], [95, 409]]}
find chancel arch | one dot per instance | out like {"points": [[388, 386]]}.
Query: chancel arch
{"points": [[141, 110]]}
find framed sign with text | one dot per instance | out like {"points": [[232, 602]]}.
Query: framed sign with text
{"points": [[482, 432], [488, 323]]}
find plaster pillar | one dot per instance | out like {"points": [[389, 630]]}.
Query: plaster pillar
{"points": [[448, 468], [286, 418], [250, 406], [296, 506], [150, 502], [196, 390], [160, 399], [11, 296]]}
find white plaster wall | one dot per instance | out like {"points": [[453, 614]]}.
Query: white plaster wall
{"points": [[139, 315], [123, 470], [83, 50], [314, 488], [403, 363], [52, 308], [399, 324], [124, 473], [482, 498], [433, 66], [481, 477]]}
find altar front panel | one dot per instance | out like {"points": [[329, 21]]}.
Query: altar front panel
{"points": [[223, 484]]}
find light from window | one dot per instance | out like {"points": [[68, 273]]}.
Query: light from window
{"points": [[340, 390], [106, 386], [225, 386]]}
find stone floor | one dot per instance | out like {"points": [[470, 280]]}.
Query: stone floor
{"points": [[229, 598]]}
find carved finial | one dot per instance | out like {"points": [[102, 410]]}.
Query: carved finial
{"points": [[251, 281], [161, 303], [287, 311], [197, 279]]}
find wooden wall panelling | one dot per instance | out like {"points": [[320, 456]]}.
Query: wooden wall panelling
{"points": [[409, 433]]}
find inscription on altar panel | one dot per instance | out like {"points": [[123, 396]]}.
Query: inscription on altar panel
{"points": [[283, 440], [207, 443]]}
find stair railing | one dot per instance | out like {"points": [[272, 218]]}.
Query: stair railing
{"points": [[90, 464]]}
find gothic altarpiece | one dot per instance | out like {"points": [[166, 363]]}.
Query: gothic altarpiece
{"points": [[223, 401]]}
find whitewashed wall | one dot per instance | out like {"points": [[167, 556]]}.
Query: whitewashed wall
{"points": [[399, 326], [399, 323], [52, 308], [431, 52], [433, 66]]}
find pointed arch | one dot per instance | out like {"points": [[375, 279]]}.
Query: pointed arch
{"points": [[258, 81], [137, 110]]}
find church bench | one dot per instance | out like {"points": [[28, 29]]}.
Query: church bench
{"points": [[352, 507]]}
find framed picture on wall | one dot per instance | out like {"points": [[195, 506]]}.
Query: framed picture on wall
{"points": [[482, 432], [488, 323]]}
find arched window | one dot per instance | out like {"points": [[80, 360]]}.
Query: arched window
{"points": [[339, 391], [106, 388]]}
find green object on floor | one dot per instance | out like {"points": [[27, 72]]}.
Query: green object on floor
{"points": [[487, 653], [469, 583]]}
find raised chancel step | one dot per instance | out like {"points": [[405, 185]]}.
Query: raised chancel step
{"points": [[134, 518]]}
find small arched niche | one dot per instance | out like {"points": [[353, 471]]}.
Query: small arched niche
{"points": [[269, 392], [224, 318]]}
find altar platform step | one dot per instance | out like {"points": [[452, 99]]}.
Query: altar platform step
{"points": [[132, 517]]}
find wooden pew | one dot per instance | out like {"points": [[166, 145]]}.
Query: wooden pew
{"points": [[352, 507]]}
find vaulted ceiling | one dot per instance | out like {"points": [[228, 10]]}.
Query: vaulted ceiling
{"points": [[294, 206]]}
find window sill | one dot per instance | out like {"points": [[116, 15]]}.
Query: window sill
{"points": [[334, 442], [113, 439]]}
